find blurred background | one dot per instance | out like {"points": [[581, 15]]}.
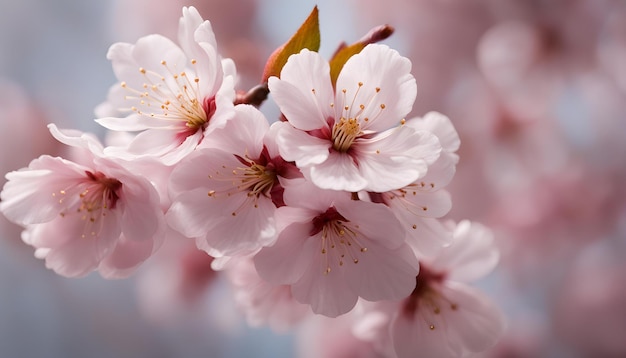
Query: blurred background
{"points": [[536, 89]]}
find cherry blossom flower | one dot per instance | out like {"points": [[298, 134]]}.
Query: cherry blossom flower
{"points": [[443, 316], [82, 218], [353, 138], [419, 203], [173, 95], [225, 193], [233, 22], [332, 250]]}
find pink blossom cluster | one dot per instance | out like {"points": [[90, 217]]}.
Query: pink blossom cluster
{"points": [[538, 99], [334, 209]]}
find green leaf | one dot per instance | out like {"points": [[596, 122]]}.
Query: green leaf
{"points": [[341, 57], [307, 36]]}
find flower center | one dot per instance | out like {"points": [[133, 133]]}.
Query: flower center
{"points": [[426, 296], [91, 200], [174, 97], [253, 177], [344, 133], [257, 179], [339, 238]]}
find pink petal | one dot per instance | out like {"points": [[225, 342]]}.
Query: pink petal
{"points": [[125, 258], [412, 337], [193, 171], [440, 173], [197, 40], [287, 260], [471, 255], [375, 221], [430, 205], [304, 92], [300, 147], [477, 322], [439, 125], [36, 187], [395, 158], [338, 172], [426, 236], [187, 214], [377, 66], [142, 218], [242, 135], [78, 253], [302, 193], [382, 273], [327, 293], [251, 228]]}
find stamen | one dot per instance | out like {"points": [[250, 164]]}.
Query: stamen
{"points": [[177, 97], [339, 238], [344, 133], [90, 199]]}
